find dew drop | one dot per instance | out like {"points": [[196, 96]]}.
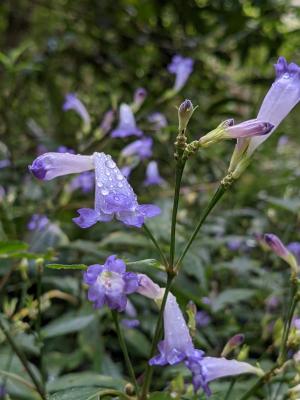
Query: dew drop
{"points": [[120, 185], [105, 192], [110, 164], [100, 185], [120, 177]]}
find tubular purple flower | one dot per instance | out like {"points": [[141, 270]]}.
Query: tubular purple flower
{"points": [[141, 148], [50, 165], [127, 125], [276, 245], [282, 97], [114, 196], [177, 347], [73, 103], [37, 222], [152, 175], [109, 284], [158, 120], [182, 68], [148, 288]]}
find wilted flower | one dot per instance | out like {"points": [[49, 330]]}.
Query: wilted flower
{"points": [[73, 103], [114, 197], [109, 284], [282, 97], [37, 222], [141, 148], [2, 391], [127, 125], [84, 181], [152, 175], [182, 68], [158, 120], [177, 347]]}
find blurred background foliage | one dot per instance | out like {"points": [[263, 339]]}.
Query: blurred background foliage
{"points": [[103, 51]]}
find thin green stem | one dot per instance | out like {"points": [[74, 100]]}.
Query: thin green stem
{"points": [[217, 196], [178, 176], [156, 245], [123, 345], [39, 321], [24, 361], [149, 369], [227, 395]]}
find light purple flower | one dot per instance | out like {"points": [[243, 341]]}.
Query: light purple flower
{"points": [[50, 165], [148, 288], [202, 319], [158, 120], [141, 148], [294, 248], [84, 181], [37, 222], [177, 347], [182, 68], [73, 103], [109, 284], [114, 197], [282, 97], [127, 125], [276, 245], [152, 175]]}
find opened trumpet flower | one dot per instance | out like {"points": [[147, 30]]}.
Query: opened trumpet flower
{"points": [[73, 103], [142, 148], [114, 197], [109, 284], [127, 125], [281, 98], [152, 175], [177, 347], [182, 68]]}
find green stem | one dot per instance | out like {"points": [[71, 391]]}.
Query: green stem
{"points": [[23, 360], [156, 245], [262, 380], [291, 309], [178, 176], [149, 369], [39, 321], [217, 196], [232, 383], [123, 345]]}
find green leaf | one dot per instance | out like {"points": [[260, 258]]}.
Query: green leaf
{"points": [[138, 342], [80, 393], [66, 324], [9, 248], [230, 297], [67, 266], [150, 262]]}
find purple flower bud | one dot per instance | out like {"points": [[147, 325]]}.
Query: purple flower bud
{"points": [[296, 323], [148, 288], [276, 245], [234, 244], [50, 165], [158, 120], [73, 103], [185, 111], [127, 125], [282, 97], [141, 148], [252, 127], [37, 222], [177, 347], [130, 310], [233, 343], [139, 97], [109, 284], [182, 68], [152, 175]]}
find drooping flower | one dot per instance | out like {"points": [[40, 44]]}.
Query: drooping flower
{"points": [[84, 181], [127, 125], [142, 148], [177, 347], [158, 120], [73, 103], [109, 284], [152, 175], [182, 68], [37, 222], [114, 197], [281, 98]]}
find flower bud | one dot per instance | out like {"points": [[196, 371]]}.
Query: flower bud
{"points": [[185, 111], [233, 343], [280, 250], [191, 310]]}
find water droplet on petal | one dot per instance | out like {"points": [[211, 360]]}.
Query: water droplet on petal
{"points": [[100, 185], [110, 164], [105, 192], [120, 177], [120, 185]]}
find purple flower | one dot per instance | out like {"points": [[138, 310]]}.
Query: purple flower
{"points": [[37, 222], [114, 197], [294, 248], [64, 149], [202, 319], [158, 120], [148, 288], [73, 103], [152, 175], [141, 148], [177, 347], [109, 284], [276, 245], [107, 121], [84, 181], [282, 97], [50, 165], [234, 244], [127, 125], [182, 68], [139, 97], [126, 170]]}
